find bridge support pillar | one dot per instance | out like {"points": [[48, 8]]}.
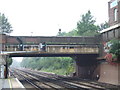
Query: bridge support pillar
{"points": [[85, 66], [3, 67]]}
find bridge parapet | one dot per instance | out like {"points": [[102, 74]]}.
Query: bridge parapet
{"points": [[51, 39]]}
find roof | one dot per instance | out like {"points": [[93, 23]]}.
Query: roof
{"points": [[110, 28]]}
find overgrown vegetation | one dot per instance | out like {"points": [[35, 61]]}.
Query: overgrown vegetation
{"points": [[115, 49], [58, 65]]}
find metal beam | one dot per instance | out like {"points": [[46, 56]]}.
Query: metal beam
{"points": [[50, 55]]}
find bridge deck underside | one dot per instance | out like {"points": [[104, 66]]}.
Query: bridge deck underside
{"points": [[51, 54]]}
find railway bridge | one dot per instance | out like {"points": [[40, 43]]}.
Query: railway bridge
{"points": [[88, 52], [40, 46]]}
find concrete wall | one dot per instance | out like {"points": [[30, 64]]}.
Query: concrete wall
{"points": [[109, 73], [85, 72]]}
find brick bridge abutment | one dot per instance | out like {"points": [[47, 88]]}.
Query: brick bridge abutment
{"points": [[86, 66]]}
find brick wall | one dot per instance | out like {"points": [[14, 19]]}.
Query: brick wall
{"points": [[111, 13]]}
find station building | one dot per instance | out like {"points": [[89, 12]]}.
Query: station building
{"points": [[114, 12]]}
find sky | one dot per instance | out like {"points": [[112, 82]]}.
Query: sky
{"points": [[45, 17]]}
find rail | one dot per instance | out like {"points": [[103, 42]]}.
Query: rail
{"points": [[53, 81]]}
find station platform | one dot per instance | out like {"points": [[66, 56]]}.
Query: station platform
{"points": [[11, 84]]}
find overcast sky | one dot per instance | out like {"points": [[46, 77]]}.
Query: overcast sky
{"points": [[45, 17]]}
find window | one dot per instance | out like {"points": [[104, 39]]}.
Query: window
{"points": [[115, 14], [113, 4]]}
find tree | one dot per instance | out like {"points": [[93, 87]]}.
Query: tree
{"points": [[58, 65], [103, 26], [61, 33], [74, 32], [86, 26], [5, 26]]}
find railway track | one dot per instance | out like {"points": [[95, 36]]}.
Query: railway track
{"points": [[42, 80]]}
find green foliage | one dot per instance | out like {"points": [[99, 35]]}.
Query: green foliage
{"points": [[9, 61], [5, 26], [62, 33], [86, 26], [103, 26], [115, 47], [58, 65], [74, 32]]}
